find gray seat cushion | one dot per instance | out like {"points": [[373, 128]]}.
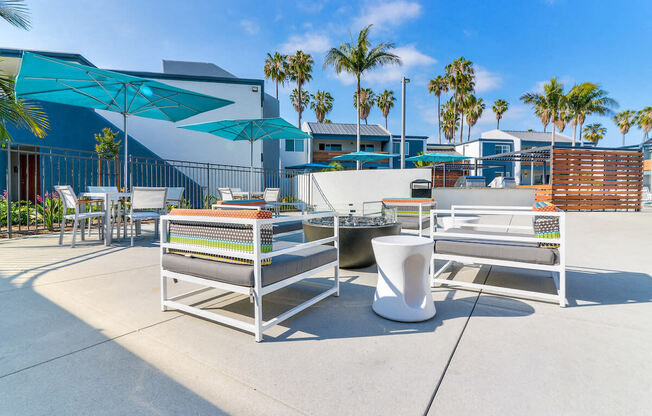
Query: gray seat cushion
{"points": [[286, 227], [282, 267], [521, 252], [411, 222]]}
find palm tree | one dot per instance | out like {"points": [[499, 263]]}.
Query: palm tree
{"points": [[460, 75], [385, 102], [17, 112], [474, 108], [594, 132], [450, 120], [16, 13], [437, 86], [358, 57], [299, 101], [367, 99], [553, 99], [624, 120], [299, 70], [563, 118], [544, 115], [322, 103], [586, 99], [276, 67], [499, 108], [644, 121]]}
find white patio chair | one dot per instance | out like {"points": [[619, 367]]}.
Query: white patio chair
{"points": [[271, 195], [70, 201], [646, 196], [225, 194], [146, 204], [175, 196], [238, 193], [116, 209]]}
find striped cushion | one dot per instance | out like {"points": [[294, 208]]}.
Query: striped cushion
{"points": [[234, 238], [405, 208], [242, 202], [546, 226]]}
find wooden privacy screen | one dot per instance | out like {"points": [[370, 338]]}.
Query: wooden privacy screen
{"points": [[451, 176], [592, 180]]}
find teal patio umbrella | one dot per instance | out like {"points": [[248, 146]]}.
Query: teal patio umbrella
{"points": [[364, 157], [309, 166], [436, 158], [49, 79], [250, 130]]}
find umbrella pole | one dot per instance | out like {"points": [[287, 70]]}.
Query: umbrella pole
{"points": [[251, 167], [126, 169]]}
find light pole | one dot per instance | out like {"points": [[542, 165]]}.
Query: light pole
{"points": [[403, 82]]}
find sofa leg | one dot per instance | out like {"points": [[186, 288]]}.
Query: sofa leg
{"points": [[562, 288], [336, 271], [258, 317], [164, 292]]}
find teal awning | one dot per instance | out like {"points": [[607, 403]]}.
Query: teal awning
{"points": [[436, 158], [364, 156]]}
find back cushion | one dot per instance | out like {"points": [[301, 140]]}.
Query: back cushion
{"points": [[242, 202], [235, 238], [546, 226]]}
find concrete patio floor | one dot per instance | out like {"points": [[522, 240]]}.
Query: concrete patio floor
{"points": [[81, 332]]}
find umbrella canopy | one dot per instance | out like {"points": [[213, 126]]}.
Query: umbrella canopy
{"points": [[436, 158], [49, 79], [250, 130], [364, 156], [309, 166]]}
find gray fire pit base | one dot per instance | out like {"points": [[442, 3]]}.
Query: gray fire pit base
{"points": [[355, 242]]}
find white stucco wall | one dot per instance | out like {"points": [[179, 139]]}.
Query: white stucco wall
{"points": [[170, 142], [355, 187], [446, 197]]}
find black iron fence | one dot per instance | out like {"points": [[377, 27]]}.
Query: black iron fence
{"points": [[28, 202]]}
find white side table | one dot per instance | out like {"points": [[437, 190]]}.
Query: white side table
{"points": [[403, 293]]}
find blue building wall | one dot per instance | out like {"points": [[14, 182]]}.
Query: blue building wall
{"points": [[415, 147], [490, 148]]}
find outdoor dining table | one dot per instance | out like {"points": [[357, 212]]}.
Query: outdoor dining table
{"points": [[108, 198]]}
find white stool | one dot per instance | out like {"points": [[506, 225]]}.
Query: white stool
{"points": [[402, 292]]}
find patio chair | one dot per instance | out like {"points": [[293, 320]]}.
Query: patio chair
{"points": [[197, 246], [116, 209], [225, 194], [646, 196], [70, 201], [238, 193], [175, 196], [541, 246], [271, 195], [146, 204]]}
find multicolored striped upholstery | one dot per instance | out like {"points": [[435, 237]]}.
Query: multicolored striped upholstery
{"points": [[243, 202], [546, 226], [234, 238], [408, 207]]}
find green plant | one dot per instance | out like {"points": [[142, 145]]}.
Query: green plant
{"points": [[276, 68], [367, 101], [299, 70], [209, 200], [334, 166], [421, 163], [385, 102], [107, 148], [322, 103]]}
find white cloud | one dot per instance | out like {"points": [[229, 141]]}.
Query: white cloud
{"points": [[486, 81], [391, 13], [250, 26], [308, 42], [410, 56]]}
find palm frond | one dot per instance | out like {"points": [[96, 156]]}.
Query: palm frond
{"points": [[16, 13]]}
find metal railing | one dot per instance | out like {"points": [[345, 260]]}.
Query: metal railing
{"points": [[28, 202]]}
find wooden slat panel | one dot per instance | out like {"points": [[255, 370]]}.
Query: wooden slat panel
{"points": [[585, 179]]}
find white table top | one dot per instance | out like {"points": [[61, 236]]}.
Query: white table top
{"points": [[104, 194]]}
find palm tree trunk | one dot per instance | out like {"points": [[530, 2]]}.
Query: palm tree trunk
{"points": [[581, 139], [300, 103], [276, 90], [357, 116], [462, 126], [574, 131], [623, 139], [553, 130], [468, 138], [385, 122], [439, 117], [497, 123]]}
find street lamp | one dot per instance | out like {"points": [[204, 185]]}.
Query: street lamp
{"points": [[403, 82]]}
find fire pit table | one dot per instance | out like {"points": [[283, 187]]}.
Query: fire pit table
{"points": [[356, 233]]}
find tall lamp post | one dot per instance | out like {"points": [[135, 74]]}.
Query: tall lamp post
{"points": [[403, 82]]}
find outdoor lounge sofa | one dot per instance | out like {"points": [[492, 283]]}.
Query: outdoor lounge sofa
{"points": [[522, 249], [234, 250]]}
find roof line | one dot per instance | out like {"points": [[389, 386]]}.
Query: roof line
{"points": [[18, 53]]}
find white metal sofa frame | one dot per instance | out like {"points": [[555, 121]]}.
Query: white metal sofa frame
{"points": [[428, 209], [256, 292], [558, 270]]}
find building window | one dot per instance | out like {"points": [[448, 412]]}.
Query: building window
{"points": [[330, 147], [367, 147], [501, 148], [293, 145], [397, 148]]}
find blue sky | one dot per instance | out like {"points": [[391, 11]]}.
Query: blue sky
{"points": [[515, 46]]}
